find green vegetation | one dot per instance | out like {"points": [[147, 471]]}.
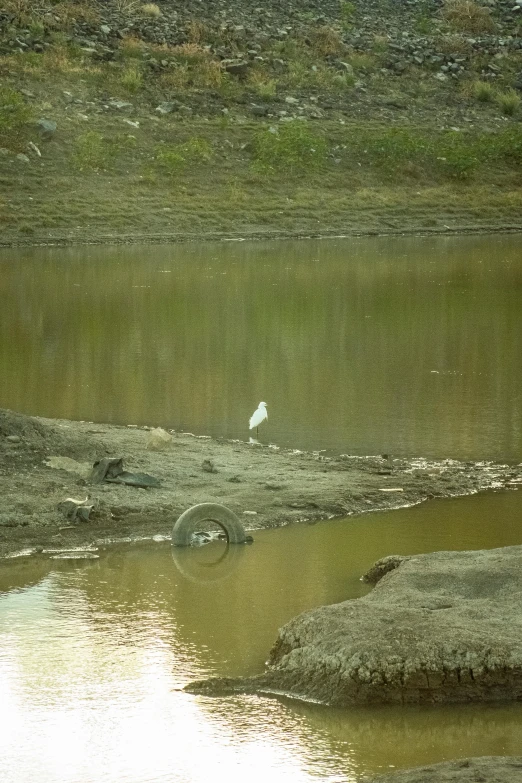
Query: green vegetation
{"points": [[483, 91], [14, 116], [174, 158], [292, 147], [509, 101]]}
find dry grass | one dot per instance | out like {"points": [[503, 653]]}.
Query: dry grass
{"points": [[325, 41], [468, 17], [150, 9], [197, 31]]}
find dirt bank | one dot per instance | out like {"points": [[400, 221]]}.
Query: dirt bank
{"points": [[43, 462], [494, 769], [437, 628]]}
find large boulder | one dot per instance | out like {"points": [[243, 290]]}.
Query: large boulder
{"points": [[436, 628]]}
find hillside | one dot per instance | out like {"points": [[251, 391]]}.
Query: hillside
{"points": [[123, 120]]}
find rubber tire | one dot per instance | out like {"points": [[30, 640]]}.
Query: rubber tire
{"points": [[192, 518]]}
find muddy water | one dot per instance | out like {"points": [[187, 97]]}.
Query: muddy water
{"points": [[407, 346], [92, 654]]}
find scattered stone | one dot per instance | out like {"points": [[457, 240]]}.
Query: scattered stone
{"points": [[158, 439], [167, 108], [208, 466], [47, 128], [119, 105], [105, 29], [13, 438], [76, 510], [32, 146], [235, 67], [22, 158], [81, 469]]}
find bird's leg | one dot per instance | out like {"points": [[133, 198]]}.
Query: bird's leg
{"points": [[257, 432]]}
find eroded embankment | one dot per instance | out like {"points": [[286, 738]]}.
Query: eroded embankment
{"points": [[43, 462], [437, 628]]}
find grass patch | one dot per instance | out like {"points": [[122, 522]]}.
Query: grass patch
{"points": [[508, 101], [15, 115], [131, 80], [292, 147], [92, 150], [483, 91], [172, 159], [467, 16]]}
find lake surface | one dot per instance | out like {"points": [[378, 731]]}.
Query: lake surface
{"points": [[364, 346], [411, 346]]}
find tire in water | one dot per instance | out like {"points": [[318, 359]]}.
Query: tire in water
{"points": [[187, 524]]}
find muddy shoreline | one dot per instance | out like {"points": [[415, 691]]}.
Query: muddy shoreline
{"points": [[255, 236], [44, 461]]}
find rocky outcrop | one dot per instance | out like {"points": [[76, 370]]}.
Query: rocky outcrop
{"points": [[493, 769], [436, 628]]}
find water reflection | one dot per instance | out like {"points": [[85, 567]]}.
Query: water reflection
{"points": [[93, 654], [401, 345]]}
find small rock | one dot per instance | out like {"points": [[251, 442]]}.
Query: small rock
{"points": [[13, 438], [105, 29], [291, 100], [167, 107], [208, 466], [47, 128], [347, 68], [22, 158], [235, 67], [158, 439], [119, 105]]}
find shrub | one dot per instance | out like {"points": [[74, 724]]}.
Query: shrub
{"points": [[131, 79], [467, 16], [347, 13], [509, 101], [131, 47], [175, 158], [150, 9], [325, 41], [265, 87], [482, 91], [292, 147]]}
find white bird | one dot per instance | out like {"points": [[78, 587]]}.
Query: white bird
{"points": [[258, 416]]}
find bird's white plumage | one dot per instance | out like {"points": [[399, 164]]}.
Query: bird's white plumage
{"points": [[258, 416]]}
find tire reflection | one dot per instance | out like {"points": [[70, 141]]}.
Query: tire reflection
{"points": [[213, 562]]}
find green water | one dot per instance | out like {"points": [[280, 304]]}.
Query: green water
{"points": [[408, 346]]}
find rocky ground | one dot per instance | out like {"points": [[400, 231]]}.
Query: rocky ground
{"points": [[489, 769], [44, 462], [170, 122], [437, 628]]}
